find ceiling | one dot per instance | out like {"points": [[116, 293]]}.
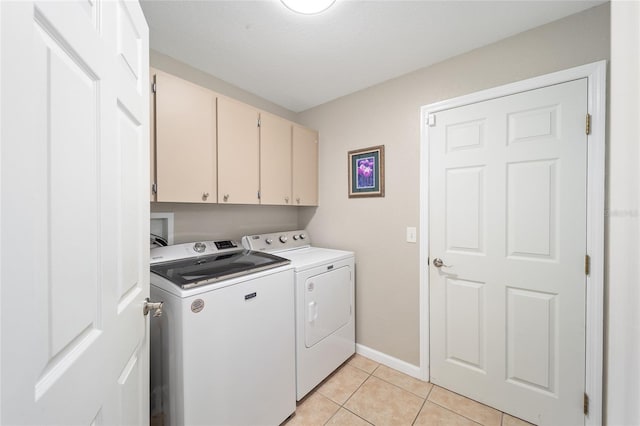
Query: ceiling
{"points": [[301, 61]]}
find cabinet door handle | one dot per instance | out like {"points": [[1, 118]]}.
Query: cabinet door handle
{"points": [[286, 200], [205, 195], [226, 197], [298, 200]]}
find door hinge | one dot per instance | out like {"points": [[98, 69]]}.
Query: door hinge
{"points": [[259, 195], [587, 264], [259, 122], [588, 125], [431, 120], [586, 404], [428, 261], [153, 87], [154, 188]]}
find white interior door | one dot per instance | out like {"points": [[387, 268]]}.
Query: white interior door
{"points": [[508, 219], [74, 213]]}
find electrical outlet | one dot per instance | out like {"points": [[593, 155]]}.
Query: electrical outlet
{"points": [[411, 234]]}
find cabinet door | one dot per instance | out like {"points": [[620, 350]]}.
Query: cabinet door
{"points": [[305, 166], [238, 152], [185, 141], [275, 160]]}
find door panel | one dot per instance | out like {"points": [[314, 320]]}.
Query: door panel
{"points": [[328, 303], [74, 213], [531, 209], [531, 338], [508, 218], [465, 323], [464, 209]]}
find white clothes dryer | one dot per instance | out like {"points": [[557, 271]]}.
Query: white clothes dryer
{"points": [[324, 303]]}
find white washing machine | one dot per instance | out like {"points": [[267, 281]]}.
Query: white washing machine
{"points": [[325, 303], [223, 351]]}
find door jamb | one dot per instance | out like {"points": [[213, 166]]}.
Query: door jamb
{"points": [[596, 74]]}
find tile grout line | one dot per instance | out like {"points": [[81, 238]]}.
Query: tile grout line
{"points": [[389, 383], [460, 414], [317, 389], [425, 399], [353, 393], [421, 407], [406, 390]]}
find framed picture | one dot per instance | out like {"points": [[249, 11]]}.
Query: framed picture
{"points": [[366, 172]]}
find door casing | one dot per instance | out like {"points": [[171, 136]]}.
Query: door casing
{"points": [[596, 108]]}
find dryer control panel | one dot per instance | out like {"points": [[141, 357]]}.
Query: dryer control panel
{"points": [[277, 241]]}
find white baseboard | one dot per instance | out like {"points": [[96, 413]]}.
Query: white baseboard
{"points": [[389, 361]]}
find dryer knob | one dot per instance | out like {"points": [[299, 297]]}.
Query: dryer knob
{"points": [[268, 241], [283, 239], [199, 247], [295, 237], [302, 236]]}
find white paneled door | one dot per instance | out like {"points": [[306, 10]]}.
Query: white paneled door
{"points": [[74, 213], [508, 180]]}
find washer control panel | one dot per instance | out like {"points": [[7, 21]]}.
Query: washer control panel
{"points": [[200, 248], [277, 241]]}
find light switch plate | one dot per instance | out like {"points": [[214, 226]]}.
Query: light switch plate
{"points": [[411, 234]]}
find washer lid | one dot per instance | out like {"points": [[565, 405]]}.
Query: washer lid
{"points": [[196, 271]]}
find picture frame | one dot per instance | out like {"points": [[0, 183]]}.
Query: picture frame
{"points": [[366, 172]]}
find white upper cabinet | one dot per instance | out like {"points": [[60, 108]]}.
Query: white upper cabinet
{"points": [[238, 153], [305, 166], [275, 160], [207, 148], [185, 141]]}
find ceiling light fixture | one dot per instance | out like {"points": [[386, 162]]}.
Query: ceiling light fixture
{"points": [[308, 7]]}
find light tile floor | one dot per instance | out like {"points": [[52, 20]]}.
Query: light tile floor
{"points": [[363, 392]]}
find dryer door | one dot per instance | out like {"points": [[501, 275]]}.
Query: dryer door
{"points": [[327, 304]]}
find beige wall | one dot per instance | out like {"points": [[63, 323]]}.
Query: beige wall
{"points": [[193, 222], [186, 72], [387, 267]]}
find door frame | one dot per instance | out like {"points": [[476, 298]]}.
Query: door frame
{"points": [[596, 75]]}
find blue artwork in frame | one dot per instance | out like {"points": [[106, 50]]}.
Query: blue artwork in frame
{"points": [[366, 172]]}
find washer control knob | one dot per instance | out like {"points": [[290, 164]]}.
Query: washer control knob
{"points": [[295, 237], [283, 239], [302, 236], [268, 241], [199, 247]]}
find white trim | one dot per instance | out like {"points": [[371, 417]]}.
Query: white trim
{"points": [[1, 224], [389, 361], [423, 229], [597, 78]]}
